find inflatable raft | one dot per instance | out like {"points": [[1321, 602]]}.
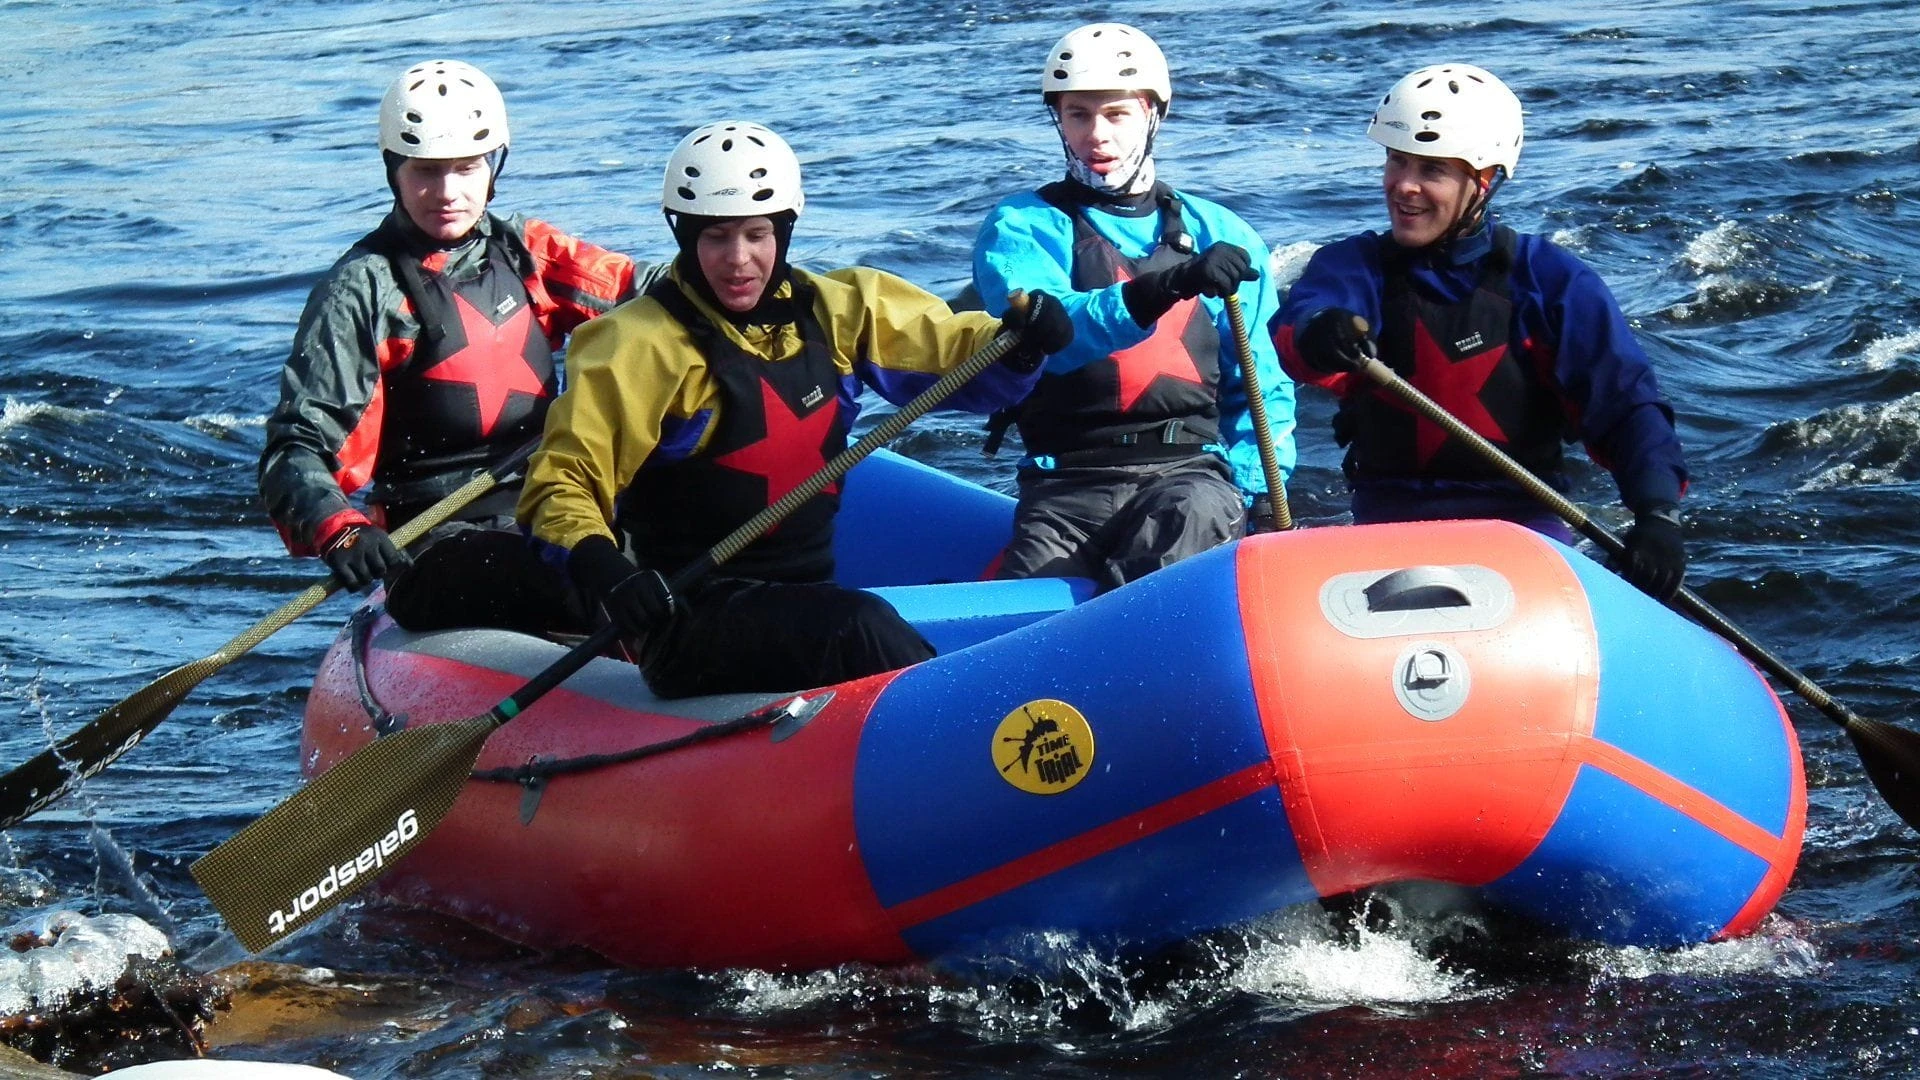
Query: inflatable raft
{"points": [[1292, 716]]}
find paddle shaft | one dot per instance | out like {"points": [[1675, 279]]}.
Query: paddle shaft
{"points": [[1685, 600], [54, 772], [1257, 409], [351, 823], [760, 523]]}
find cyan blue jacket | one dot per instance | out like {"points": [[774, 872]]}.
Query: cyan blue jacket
{"points": [[1561, 309], [1025, 243]]}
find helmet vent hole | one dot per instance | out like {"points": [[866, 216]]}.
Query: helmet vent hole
{"points": [[1128, 73], [1059, 73], [702, 139], [481, 134], [692, 171], [443, 89], [410, 138], [1430, 115], [1124, 54], [763, 195], [417, 85], [1426, 136], [1424, 83], [413, 118], [684, 192], [726, 144], [1066, 54], [755, 140], [1453, 86], [758, 174]]}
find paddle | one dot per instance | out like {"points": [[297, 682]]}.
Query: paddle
{"points": [[1257, 408], [1890, 754], [57, 770], [354, 821]]}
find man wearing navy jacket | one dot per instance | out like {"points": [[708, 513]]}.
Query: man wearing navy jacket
{"points": [[1510, 333]]}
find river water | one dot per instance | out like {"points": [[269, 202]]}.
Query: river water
{"points": [[1742, 172]]}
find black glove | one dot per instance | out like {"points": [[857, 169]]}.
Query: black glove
{"points": [[634, 600], [1217, 271], [1333, 341], [1656, 556], [1044, 328], [360, 555]]}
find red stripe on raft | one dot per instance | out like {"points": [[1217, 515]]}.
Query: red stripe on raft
{"points": [[1054, 858], [1780, 853]]}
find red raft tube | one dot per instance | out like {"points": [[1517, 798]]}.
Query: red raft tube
{"points": [[1292, 716]]}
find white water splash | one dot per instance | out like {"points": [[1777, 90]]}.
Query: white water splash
{"points": [[1892, 428], [1719, 249], [1773, 949], [1883, 353], [1378, 968], [74, 954], [223, 423], [1289, 261]]}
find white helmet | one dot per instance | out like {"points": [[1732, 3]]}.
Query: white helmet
{"points": [[1451, 111], [1107, 56], [732, 169], [442, 109]]}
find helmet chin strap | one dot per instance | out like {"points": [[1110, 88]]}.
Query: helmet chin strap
{"points": [[1140, 174], [1475, 211]]}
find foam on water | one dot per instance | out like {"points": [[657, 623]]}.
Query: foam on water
{"points": [[1288, 261], [1774, 949], [1719, 249], [1885, 352], [16, 412], [1377, 968], [72, 954], [1877, 444]]}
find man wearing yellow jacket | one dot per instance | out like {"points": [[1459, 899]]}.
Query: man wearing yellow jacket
{"points": [[731, 381]]}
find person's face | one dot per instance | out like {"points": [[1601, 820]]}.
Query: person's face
{"points": [[444, 196], [1102, 127], [737, 258], [1425, 196]]}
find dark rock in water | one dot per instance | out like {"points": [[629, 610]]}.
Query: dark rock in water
{"points": [[103, 993]]}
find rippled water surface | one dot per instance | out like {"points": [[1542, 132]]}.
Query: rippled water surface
{"points": [[176, 175]]}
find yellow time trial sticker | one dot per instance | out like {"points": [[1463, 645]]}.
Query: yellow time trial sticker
{"points": [[1044, 747]]}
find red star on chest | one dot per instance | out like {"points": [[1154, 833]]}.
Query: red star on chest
{"points": [[791, 450], [493, 361], [1163, 353], [1455, 386]]}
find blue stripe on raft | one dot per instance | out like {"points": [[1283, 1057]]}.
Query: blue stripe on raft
{"points": [[1233, 864], [953, 617], [1614, 846], [1656, 669], [956, 535], [930, 806]]}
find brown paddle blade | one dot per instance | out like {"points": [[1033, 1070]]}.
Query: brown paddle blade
{"points": [[54, 772], [333, 837], [337, 834]]}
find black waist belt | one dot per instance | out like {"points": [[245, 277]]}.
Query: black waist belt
{"points": [[1170, 441]]}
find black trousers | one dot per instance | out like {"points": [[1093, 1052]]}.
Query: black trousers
{"points": [[1117, 523], [735, 635], [484, 574]]}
